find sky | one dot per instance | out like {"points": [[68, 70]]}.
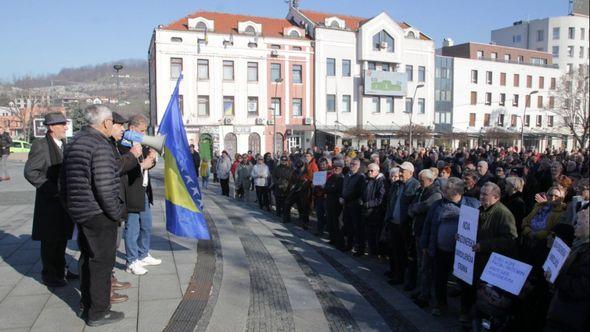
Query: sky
{"points": [[44, 36]]}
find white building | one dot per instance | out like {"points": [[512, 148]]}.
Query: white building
{"points": [[565, 37], [480, 100], [348, 50]]}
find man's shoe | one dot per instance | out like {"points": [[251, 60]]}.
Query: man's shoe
{"points": [[436, 312], [71, 276], [110, 317], [118, 298], [136, 268], [55, 283], [119, 285], [149, 260]]}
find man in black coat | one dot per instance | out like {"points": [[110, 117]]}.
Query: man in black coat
{"points": [[352, 190], [280, 183], [91, 189], [333, 191], [196, 157], [51, 223], [374, 201]]}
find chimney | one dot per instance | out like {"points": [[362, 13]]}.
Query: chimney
{"points": [[448, 42]]}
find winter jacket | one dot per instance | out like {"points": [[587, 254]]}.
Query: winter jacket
{"points": [[554, 216], [311, 167], [408, 191], [261, 175], [421, 204], [488, 177], [517, 207], [223, 168], [91, 182], [280, 179], [373, 196], [204, 170], [352, 188], [136, 192], [243, 176], [5, 143], [333, 189]]}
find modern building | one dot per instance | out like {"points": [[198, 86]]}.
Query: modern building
{"points": [[484, 92], [236, 70], [565, 37], [370, 73]]}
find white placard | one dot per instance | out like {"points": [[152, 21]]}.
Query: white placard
{"points": [[466, 239], [319, 178], [556, 258], [506, 273]]}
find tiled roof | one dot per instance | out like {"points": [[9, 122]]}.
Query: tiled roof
{"points": [[228, 23]]}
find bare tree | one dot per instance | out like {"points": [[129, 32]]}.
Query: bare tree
{"points": [[571, 104], [22, 107]]}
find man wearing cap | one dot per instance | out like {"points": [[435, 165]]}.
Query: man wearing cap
{"points": [[401, 195], [51, 223]]}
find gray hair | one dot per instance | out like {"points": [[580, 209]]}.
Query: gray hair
{"points": [[453, 186], [483, 163], [516, 182], [494, 189], [373, 166], [394, 170], [137, 120], [96, 114], [374, 155], [426, 173]]}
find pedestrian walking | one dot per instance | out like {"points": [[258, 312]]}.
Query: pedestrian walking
{"points": [[5, 144]]}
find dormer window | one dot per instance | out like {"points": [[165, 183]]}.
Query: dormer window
{"points": [[335, 25], [201, 26], [294, 34], [176, 39], [250, 30], [412, 35], [383, 41]]}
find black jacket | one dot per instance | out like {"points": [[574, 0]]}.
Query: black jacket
{"points": [[352, 188], [421, 204], [135, 190], [91, 182], [516, 205], [488, 177], [280, 180], [125, 163], [333, 189], [409, 189], [374, 198], [5, 143]]}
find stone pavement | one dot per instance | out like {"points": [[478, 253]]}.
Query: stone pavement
{"points": [[256, 274]]}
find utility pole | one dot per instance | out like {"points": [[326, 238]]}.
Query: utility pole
{"points": [[274, 119], [523, 117], [419, 85]]}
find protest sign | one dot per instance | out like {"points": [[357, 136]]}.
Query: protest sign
{"points": [[466, 239], [319, 178], [506, 273], [556, 258]]}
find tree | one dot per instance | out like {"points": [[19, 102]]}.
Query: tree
{"points": [[24, 115], [571, 104], [78, 119]]}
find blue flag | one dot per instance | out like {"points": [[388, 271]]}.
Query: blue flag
{"points": [[184, 208]]}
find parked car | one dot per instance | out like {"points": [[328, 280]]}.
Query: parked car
{"points": [[20, 146]]}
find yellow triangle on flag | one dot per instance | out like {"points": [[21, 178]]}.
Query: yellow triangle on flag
{"points": [[175, 189]]}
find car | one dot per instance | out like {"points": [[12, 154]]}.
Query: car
{"points": [[20, 146]]}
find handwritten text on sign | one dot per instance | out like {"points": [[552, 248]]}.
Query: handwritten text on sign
{"points": [[466, 239], [506, 273], [556, 258]]}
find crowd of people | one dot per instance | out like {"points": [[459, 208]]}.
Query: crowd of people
{"points": [[99, 183], [403, 206]]}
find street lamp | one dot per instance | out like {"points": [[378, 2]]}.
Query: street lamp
{"points": [[523, 118], [118, 68], [419, 85], [274, 120]]}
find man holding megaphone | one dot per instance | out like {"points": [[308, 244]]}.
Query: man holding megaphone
{"points": [[140, 197]]}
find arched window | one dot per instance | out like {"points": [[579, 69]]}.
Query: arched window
{"points": [[383, 40], [279, 139], [335, 24], [294, 34], [250, 30], [411, 35], [201, 26], [254, 143], [230, 144]]}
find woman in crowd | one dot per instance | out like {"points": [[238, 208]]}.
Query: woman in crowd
{"points": [[204, 172], [243, 178], [513, 200], [261, 176], [223, 172]]}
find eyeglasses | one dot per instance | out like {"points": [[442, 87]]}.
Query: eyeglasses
{"points": [[372, 170]]}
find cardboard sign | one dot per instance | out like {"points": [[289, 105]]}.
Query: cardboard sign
{"points": [[319, 178], [506, 273], [466, 239], [556, 258]]}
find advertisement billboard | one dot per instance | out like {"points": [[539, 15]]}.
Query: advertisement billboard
{"points": [[385, 83]]}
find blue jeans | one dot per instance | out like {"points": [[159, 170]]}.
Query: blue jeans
{"points": [[138, 229], [205, 180]]}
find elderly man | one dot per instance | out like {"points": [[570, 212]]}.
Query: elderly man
{"points": [[91, 189], [400, 195], [333, 189], [51, 223], [352, 190], [484, 174], [373, 209]]}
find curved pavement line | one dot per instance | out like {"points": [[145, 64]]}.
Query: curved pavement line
{"points": [[190, 310]]}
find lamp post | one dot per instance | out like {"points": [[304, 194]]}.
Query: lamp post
{"points": [[118, 68], [524, 117], [419, 85], [274, 119]]}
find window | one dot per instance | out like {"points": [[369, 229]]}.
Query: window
{"points": [[228, 106], [421, 74], [275, 47], [516, 82], [388, 104], [376, 102], [409, 105], [275, 104], [410, 72], [331, 67], [555, 51], [294, 34], [346, 68], [252, 71], [297, 106], [539, 120], [527, 101], [541, 82], [581, 55], [473, 98], [203, 106], [297, 48], [371, 65], [346, 104], [421, 106], [494, 55], [176, 39], [582, 33], [488, 98], [181, 103], [471, 119], [503, 79], [506, 57], [175, 68], [515, 100], [331, 103], [571, 33], [570, 68], [550, 121], [556, 33], [479, 54], [540, 35], [551, 102], [570, 51], [252, 105], [552, 86], [335, 25], [520, 59], [502, 99], [202, 69], [529, 81], [486, 120], [385, 66], [250, 30], [539, 101], [275, 72], [501, 120], [527, 120], [489, 77], [383, 41], [228, 70], [474, 76], [513, 120], [297, 73]]}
